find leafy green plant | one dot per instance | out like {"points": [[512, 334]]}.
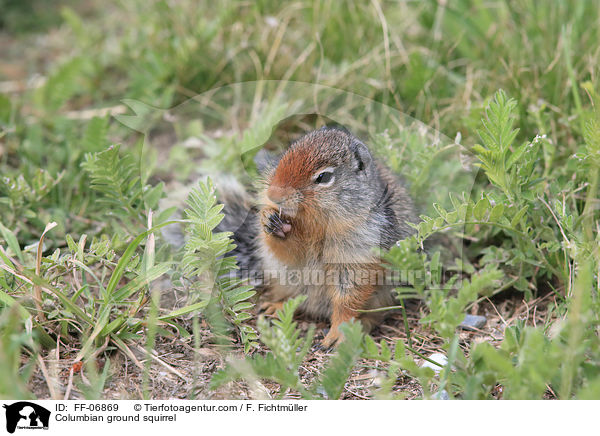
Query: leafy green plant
{"points": [[530, 364], [214, 274], [515, 206], [287, 352], [119, 180], [447, 311], [521, 364], [14, 339]]}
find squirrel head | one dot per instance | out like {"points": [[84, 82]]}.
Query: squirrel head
{"points": [[323, 178]]}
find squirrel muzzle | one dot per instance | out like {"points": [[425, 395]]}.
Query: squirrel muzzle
{"points": [[281, 207]]}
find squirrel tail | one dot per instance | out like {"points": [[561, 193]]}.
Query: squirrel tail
{"points": [[241, 219]]}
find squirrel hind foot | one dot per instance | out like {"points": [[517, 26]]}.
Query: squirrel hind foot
{"points": [[270, 308], [331, 339]]}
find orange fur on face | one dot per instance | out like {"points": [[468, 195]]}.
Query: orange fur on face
{"points": [[295, 169]]}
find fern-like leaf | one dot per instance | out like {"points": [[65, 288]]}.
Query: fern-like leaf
{"points": [[288, 351], [335, 375], [116, 178], [205, 259]]}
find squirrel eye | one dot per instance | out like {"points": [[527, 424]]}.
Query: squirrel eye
{"points": [[324, 177]]}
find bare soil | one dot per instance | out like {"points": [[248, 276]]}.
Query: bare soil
{"points": [[178, 371]]}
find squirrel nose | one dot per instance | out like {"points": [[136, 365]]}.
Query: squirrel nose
{"points": [[278, 194]]}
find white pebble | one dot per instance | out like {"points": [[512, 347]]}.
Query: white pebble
{"points": [[436, 357]]}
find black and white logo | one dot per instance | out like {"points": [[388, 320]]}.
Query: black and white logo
{"points": [[26, 415]]}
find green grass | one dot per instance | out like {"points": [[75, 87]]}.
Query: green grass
{"points": [[522, 218]]}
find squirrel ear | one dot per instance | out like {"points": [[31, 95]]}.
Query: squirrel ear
{"points": [[362, 155]]}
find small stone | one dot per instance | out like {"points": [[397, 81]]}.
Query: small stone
{"points": [[436, 357], [441, 395], [472, 322], [321, 391], [271, 21]]}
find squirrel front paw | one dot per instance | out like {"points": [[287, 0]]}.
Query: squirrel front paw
{"points": [[274, 224]]}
